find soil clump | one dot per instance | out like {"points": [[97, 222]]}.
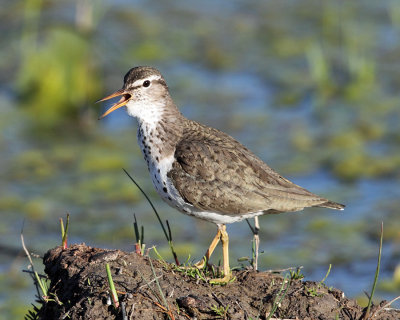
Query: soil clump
{"points": [[153, 289]]}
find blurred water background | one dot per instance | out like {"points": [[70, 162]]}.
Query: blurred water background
{"points": [[312, 87]]}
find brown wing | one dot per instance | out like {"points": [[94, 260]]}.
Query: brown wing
{"points": [[214, 172]]}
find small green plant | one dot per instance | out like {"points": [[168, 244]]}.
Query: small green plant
{"points": [[40, 282], [314, 291], [326, 275], [64, 232], [113, 292], [204, 273], [139, 245], [220, 310], [296, 275], [160, 258], [192, 271], [280, 296]]}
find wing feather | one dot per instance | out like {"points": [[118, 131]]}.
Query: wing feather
{"points": [[214, 172]]}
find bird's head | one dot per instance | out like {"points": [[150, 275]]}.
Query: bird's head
{"points": [[144, 88]]}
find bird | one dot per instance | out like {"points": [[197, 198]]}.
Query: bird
{"points": [[202, 171]]}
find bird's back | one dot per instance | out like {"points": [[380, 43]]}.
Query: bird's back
{"points": [[214, 172]]}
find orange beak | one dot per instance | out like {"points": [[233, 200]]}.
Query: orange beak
{"points": [[123, 101]]}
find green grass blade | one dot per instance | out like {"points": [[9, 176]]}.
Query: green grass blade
{"points": [[62, 230], [167, 235], [171, 245], [150, 287], [113, 292], [158, 285], [136, 228], [65, 232], [36, 278], [327, 274], [376, 275], [278, 299], [151, 204]]}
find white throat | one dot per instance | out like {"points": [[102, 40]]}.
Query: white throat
{"points": [[144, 111]]}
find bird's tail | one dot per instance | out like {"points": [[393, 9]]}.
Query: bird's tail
{"points": [[331, 205]]}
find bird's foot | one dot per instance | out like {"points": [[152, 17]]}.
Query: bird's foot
{"points": [[201, 264], [226, 279], [198, 265]]}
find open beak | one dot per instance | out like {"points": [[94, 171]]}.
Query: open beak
{"points": [[123, 101]]}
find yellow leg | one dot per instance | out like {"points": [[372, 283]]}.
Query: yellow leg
{"points": [[225, 252], [210, 250]]}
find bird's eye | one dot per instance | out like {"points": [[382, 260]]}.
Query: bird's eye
{"points": [[146, 83]]}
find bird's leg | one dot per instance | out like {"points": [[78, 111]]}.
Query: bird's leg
{"points": [[225, 252], [256, 239], [210, 250]]}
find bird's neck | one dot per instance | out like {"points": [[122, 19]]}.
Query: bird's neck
{"points": [[160, 131]]}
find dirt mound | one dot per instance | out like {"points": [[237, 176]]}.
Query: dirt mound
{"points": [[156, 290]]}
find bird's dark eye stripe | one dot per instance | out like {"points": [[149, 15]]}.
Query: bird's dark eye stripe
{"points": [[146, 83], [160, 81], [133, 87]]}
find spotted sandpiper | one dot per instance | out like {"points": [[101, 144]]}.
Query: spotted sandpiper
{"points": [[201, 171]]}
